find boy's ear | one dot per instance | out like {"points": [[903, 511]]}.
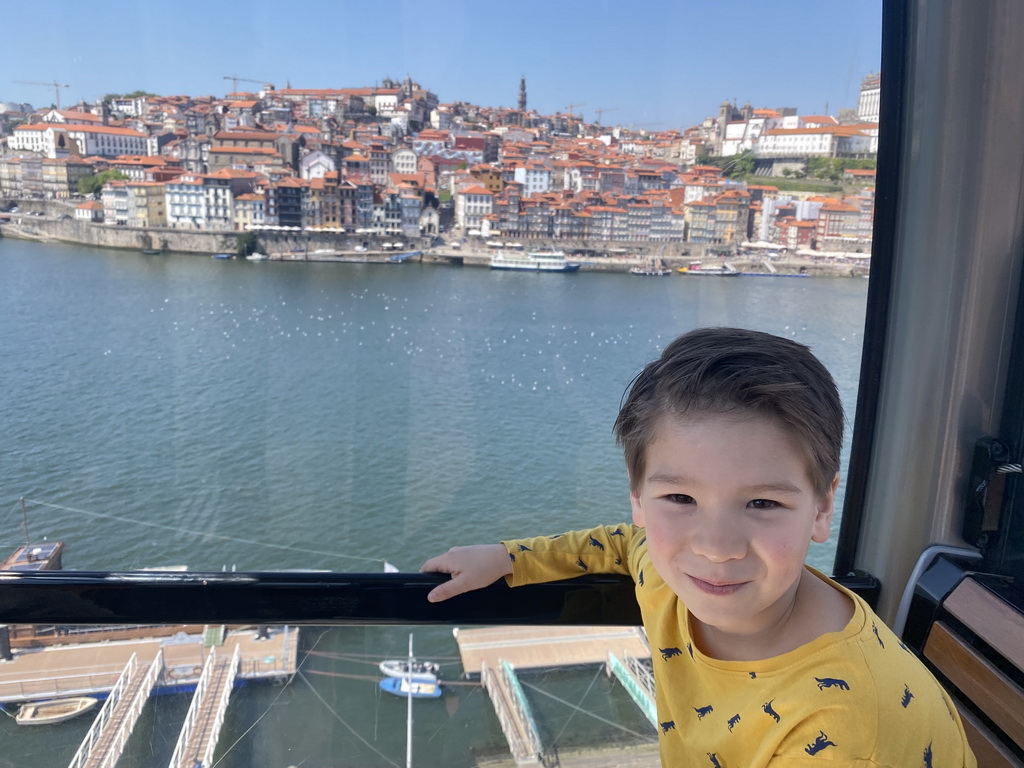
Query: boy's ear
{"points": [[638, 510], [822, 526]]}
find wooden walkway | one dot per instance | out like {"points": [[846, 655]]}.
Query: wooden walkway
{"points": [[201, 731], [547, 647], [104, 743]]}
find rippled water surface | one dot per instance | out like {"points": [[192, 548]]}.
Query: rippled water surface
{"points": [[182, 410]]}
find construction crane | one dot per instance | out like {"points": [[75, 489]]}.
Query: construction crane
{"points": [[601, 111], [235, 78], [569, 108], [55, 85]]}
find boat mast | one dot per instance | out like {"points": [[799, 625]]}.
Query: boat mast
{"points": [[408, 724]]}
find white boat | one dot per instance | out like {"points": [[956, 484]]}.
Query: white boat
{"points": [[651, 268], [53, 711], [537, 261], [414, 688], [417, 670], [257, 257], [714, 270]]}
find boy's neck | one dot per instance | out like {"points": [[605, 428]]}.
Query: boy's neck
{"points": [[816, 609]]}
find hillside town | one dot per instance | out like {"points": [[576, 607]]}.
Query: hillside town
{"points": [[394, 160]]}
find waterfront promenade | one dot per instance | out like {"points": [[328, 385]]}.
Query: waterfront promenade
{"points": [[471, 255], [57, 226]]}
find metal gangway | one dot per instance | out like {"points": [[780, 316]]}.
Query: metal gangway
{"points": [[638, 680], [105, 740], [198, 738], [514, 713]]}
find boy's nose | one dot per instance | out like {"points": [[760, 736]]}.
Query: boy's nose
{"points": [[719, 539]]}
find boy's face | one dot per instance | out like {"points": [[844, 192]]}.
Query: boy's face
{"points": [[730, 511]]}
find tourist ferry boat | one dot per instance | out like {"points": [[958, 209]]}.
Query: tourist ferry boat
{"points": [[536, 261], [713, 270]]}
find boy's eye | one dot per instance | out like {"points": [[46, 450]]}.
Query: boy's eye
{"points": [[764, 504], [679, 498]]}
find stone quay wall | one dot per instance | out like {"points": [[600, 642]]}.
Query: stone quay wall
{"points": [[188, 241]]}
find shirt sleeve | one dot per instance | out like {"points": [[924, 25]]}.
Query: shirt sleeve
{"points": [[566, 555]]}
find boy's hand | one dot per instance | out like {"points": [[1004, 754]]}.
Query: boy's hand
{"points": [[471, 568]]}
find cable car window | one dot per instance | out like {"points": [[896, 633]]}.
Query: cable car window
{"points": [[335, 309]]}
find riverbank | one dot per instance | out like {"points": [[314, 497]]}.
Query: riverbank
{"points": [[314, 246]]}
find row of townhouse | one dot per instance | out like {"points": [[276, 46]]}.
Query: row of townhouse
{"points": [[728, 217], [235, 200], [33, 175], [651, 217], [821, 223]]}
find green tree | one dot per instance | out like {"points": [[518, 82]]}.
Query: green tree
{"points": [[741, 165], [733, 166], [90, 185], [248, 243], [132, 95]]}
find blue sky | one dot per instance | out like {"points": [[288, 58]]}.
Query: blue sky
{"points": [[660, 64]]}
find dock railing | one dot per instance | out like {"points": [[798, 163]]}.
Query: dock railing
{"points": [[514, 714], [638, 680], [99, 734], [196, 710]]}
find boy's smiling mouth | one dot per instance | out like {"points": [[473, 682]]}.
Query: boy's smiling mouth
{"points": [[716, 588]]}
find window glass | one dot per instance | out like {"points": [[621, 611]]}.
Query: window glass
{"points": [[374, 396]]}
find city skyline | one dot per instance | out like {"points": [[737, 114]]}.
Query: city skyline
{"points": [[667, 70]]}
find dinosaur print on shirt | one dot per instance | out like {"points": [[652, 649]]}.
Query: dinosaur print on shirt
{"points": [[820, 743], [832, 682], [907, 696]]}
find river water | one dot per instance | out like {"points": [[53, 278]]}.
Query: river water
{"points": [[171, 409]]}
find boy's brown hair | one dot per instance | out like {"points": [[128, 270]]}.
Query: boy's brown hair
{"points": [[717, 371]]}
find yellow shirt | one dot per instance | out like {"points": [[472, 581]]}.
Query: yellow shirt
{"points": [[858, 697]]}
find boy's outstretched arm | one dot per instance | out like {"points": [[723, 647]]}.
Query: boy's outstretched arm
{"points": [[471, 568]]}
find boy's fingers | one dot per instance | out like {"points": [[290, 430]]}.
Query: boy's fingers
{"points": [[450, 588], [428, 566], [439, 593]]}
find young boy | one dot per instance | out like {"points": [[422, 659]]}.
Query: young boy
{"points": [[732, 442]]}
